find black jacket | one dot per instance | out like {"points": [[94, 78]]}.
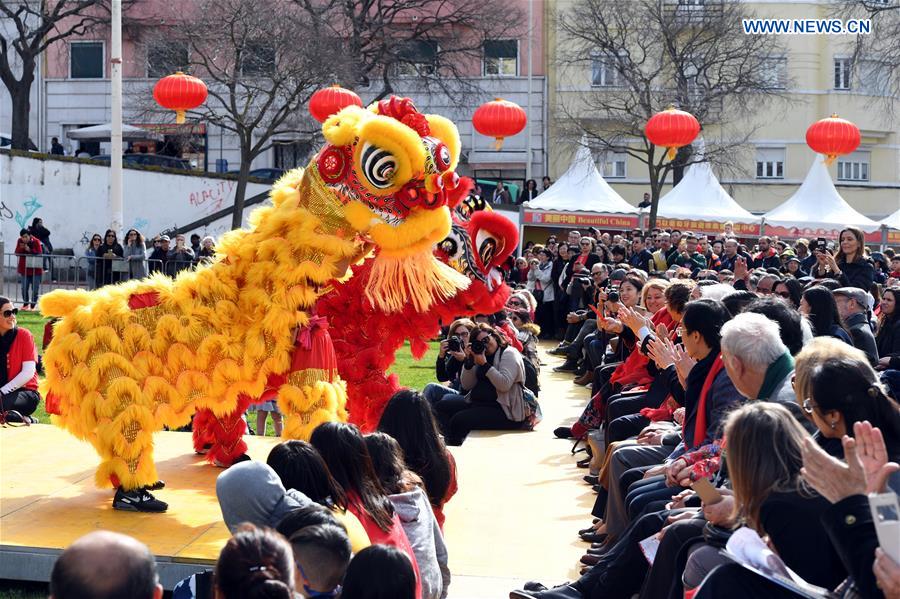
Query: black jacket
{"points": [[852, 532], [861, 333], [859, 273], [888, 342]]}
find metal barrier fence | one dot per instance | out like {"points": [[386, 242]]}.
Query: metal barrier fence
{"points": [[76, 272]]}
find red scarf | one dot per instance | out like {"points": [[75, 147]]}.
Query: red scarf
{"points": [[700, 422]]}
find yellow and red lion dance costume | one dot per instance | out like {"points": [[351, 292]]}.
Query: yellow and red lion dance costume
{"points": [[130, 359]]}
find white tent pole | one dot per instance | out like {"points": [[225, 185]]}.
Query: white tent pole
{"points": [[115, 158]]}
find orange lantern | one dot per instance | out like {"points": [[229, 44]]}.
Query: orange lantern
{"points": [[672, 129], [330, 100], [498, 119], [179, 92], [833, 137]]}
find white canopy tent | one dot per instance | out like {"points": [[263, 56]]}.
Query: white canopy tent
{"points": [[104, 132], [818, 205], [700, 196], [582, 189], [892, 221]]}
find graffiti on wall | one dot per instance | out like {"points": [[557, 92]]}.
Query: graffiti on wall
{"points": [[5, 212], [213, 196], [31, 206]]}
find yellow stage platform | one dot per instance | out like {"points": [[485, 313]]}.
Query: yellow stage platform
{"points": [[520, 503]]}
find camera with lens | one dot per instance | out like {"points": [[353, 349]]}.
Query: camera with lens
{"points": [[477, 346], [454, 344], [613, 295]]}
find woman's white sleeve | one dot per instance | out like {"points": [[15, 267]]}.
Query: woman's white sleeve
{"points": [[28, 370]]}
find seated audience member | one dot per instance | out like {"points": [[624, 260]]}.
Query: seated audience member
{"points": [[853, 306], [380, 572], [764, 459], [321, 556], [757, 361], [819, 307], [255, 562], [795, 331], [404, 489], [408, 418], [449, 363], [301, 468], [493, 382], [528, 336], [344, 450], [888, 338], [252, 492], [789, 290], [18, 376], [105, 565]]}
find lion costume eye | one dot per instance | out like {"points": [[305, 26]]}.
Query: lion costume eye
{"points": [[377, 166], [442, 157], [488, 246]]}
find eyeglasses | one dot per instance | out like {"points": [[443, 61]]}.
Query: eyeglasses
{"points": [[111, 235], [808, 406], [515, 303], [764, 290], [784, 294], [9, 313]]}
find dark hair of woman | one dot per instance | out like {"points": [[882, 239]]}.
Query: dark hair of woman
{"points": [[823, 310], [486, 328], [387, 459], [840, 256], [256, 563], [409, 420], [736, 302], [343, 448], [4, 300], [379, 572], [848, 386], [547, 253], [789, 321], [889, 319], [303, 517], [635, 282], [300, 467], [523, 316], [678, 294], [706, 316], [794, 288]]}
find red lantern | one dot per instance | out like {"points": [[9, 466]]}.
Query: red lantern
{"points": [[498, 119], [179, 92], [833, 137], [672, 129], [330, 100]]}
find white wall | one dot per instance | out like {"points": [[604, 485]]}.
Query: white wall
{"points": [[72, 199]]}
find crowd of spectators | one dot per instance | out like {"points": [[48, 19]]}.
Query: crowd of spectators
{"points": [[344, 515], [737, 393]]}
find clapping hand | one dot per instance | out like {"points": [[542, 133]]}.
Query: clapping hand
{"points": [[662, 352], [741, 273], [631, 319], [683, 363]]}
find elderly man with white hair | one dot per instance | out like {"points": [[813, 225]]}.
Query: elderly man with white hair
{"points": [[757, 361]]}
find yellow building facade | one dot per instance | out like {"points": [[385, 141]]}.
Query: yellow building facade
{"points": [[820, 79]]}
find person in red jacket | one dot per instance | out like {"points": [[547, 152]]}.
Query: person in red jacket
{"points": [[27, 246], [18, 368]]}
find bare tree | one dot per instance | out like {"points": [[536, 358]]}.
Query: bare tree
{"points": [[645, 55], [261, 60], [34, 26], [876, 56], [437, 41]]}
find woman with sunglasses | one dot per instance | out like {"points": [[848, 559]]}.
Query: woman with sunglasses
{"points": [[90, 253], [492, 394], [18, 368], [135, 253], [109, 251]]}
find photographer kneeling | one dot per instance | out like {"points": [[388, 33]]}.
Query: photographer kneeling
{"points": [[450, 361], [492, 389]]}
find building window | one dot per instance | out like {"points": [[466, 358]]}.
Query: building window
{"points": [[258, 58], [603, 71], [501, 57], [874, 77], [417, 58], [769, 163], [292, 154], [86, 60], [165, 58], [774, 71], [842, 73], [853, 167], [612, 164]]}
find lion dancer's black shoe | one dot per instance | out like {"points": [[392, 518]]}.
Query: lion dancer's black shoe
{"points": [[138, 500]]}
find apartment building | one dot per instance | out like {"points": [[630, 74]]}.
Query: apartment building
{"points": [[819, 78]]}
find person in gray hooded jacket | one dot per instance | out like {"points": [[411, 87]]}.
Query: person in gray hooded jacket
{"points": [[405, 490], [252, 492]]}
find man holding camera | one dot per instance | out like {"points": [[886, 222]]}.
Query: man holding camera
{"points": [[583, 322]]}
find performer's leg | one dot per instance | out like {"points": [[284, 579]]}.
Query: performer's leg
{"points": [[261, 423], [277, 423], [223, 434]]}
